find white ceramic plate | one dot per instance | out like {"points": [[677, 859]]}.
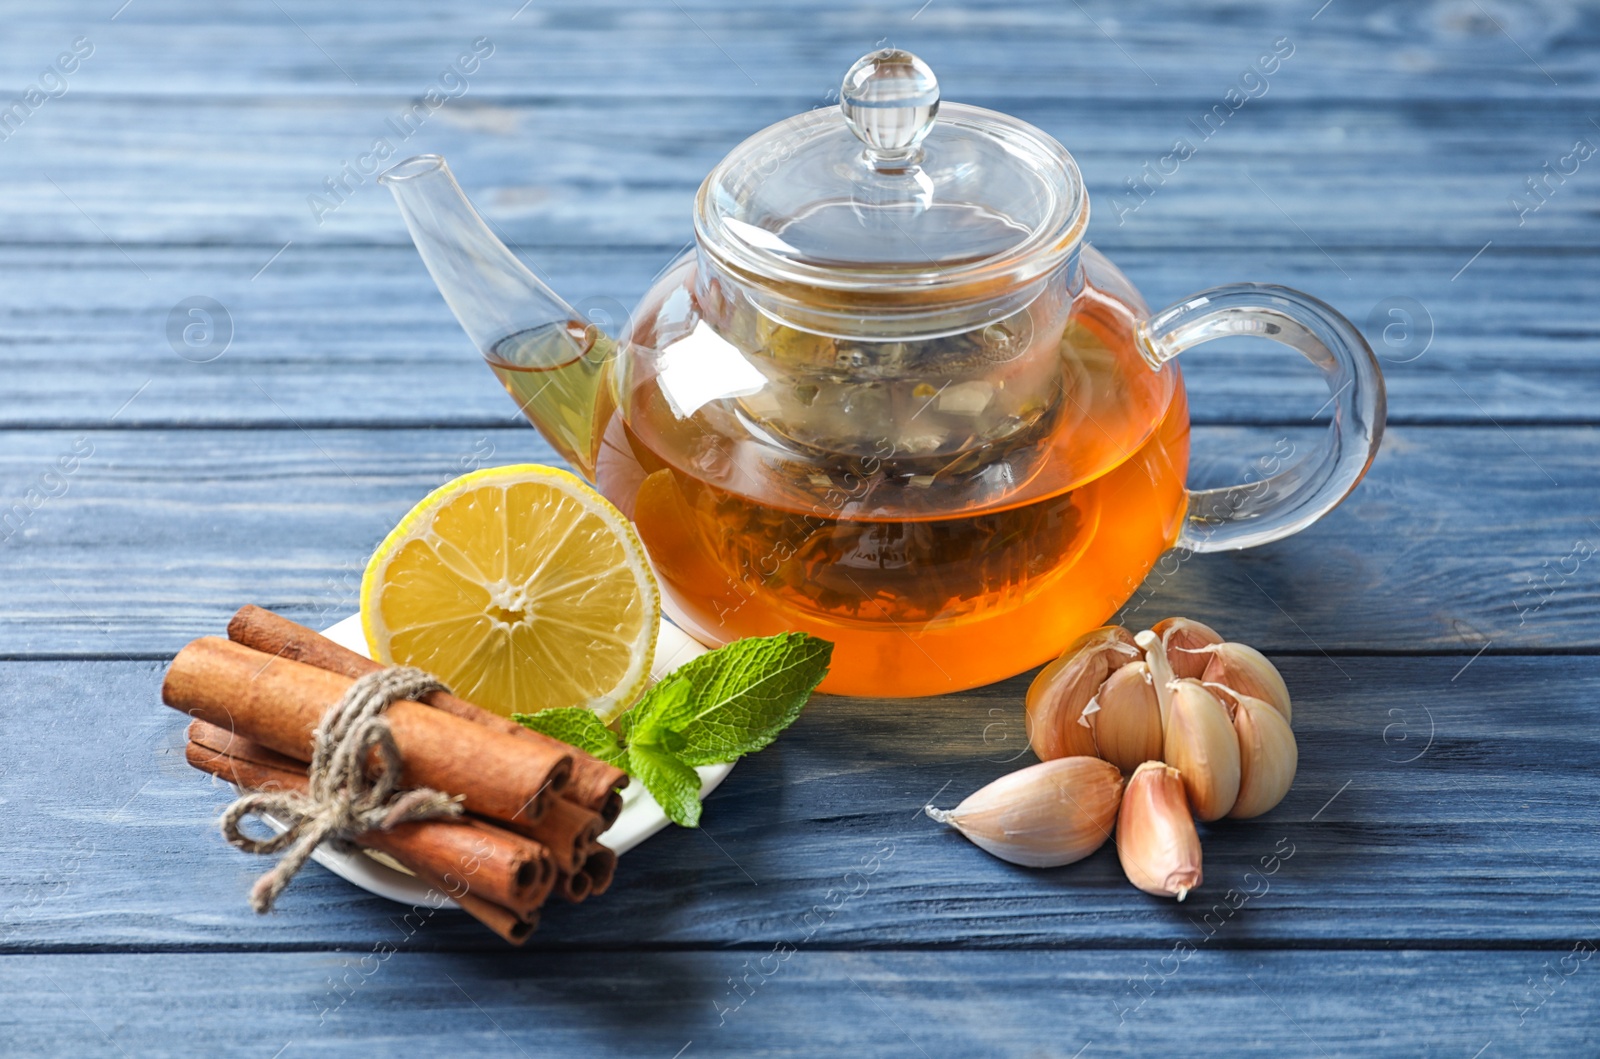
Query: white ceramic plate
{"points": [[641, 817]]}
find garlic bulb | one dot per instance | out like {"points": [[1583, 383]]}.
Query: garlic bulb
{"points": [[1202, 724], [1268, 757], [1063, 689], [1156, 839], [1203, 746], [1055, 812]]}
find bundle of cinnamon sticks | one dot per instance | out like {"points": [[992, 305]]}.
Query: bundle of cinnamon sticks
{"points": [[535, 806]]}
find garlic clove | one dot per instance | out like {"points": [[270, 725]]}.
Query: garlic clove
{"points": [[1240, 669], [1127, 726], [1183, 639], [1156, 838], [1063, 689], [1202, 745], [1155, 656], [1268, 757], [1052, 813]]}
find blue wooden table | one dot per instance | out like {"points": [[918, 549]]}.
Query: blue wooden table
{"points": [[1417, 165]]}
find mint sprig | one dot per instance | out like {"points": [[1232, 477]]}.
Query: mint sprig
{"points": [[714, 709]]}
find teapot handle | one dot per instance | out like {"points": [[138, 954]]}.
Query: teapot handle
{"points": [[1252, 513]]}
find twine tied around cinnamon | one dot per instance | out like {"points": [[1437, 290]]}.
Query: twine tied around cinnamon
{"points": [[340, 801]]}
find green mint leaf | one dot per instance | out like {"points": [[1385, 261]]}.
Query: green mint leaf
{"points": [[741, 696], [674, 785], [642, 724], [577, 726]]}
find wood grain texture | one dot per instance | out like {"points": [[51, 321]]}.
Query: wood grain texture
{"points": [[356, 336], [1438, 802], [583, 172], [1360, 48], [945, 1004], [160, 535]]}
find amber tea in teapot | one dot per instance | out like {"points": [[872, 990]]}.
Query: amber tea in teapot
{"points": [[891, 397]]}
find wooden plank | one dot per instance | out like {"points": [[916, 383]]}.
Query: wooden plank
{"points": [[1440, 802], [1404, 1003], [581, 172], [1363, 48], [157, 536], [344, 336]]}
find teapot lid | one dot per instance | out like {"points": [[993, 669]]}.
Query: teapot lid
{"points": [[892, 200]]}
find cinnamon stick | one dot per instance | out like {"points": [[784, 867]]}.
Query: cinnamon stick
{"points": [[279, 703], [509, 925], [609, 809], [567, 830], [240, 772], [513, 926], [498, 866], [539, 876], [600, 791], [231, 744], [601, 868], [593, 783], [573, 887], [590, 880]]}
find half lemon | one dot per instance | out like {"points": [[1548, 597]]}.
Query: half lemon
{"points": [[522, 589]]}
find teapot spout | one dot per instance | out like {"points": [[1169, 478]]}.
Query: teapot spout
{"points": [[549, 359]]}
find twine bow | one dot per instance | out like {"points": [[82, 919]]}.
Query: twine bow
{"points": [[340, 801]]}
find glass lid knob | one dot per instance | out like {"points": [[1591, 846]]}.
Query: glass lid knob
{"points": [[890, 99]]}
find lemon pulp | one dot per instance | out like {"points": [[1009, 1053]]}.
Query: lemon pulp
{"points": [[521, 588]]}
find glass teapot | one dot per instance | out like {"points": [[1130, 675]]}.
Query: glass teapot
{"points": [[890, 396]]}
